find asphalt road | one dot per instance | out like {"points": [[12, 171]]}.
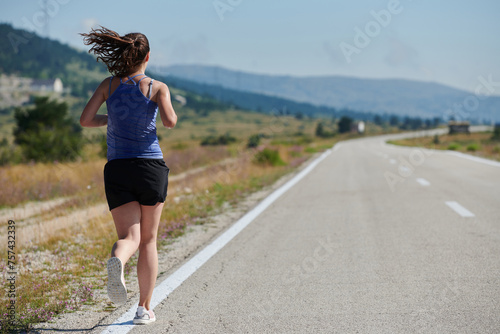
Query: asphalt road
{"points": [[376, 239]]}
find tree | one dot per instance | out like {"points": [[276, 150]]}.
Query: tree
{"points": [[299, 115], [253, 141], [394, 120], [436, 121], [322, 133], [319, 129], [496, 132], [345, 124], [45, 132]]}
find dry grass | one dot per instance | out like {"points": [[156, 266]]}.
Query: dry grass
{"points": [[59, 264], [39, 182], [478, 143]]}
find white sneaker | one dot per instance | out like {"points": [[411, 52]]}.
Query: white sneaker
{"points": [[143, 316], [117, 291]]}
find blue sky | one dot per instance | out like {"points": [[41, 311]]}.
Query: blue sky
{"points": [[451, 41]]}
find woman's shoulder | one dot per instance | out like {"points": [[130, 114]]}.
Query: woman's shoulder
{"points": [[107, 80], [103, 85], [108, 85], [159, 86], [158, 82]]}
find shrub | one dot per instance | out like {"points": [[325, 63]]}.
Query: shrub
{"points": [[304, 140], [10, 155], [253, 141], [269, 157], [473, 147], [436, 140], [454, 146], [220, 140], [322, 133]]}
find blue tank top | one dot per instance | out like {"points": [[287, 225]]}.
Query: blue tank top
{"points": [[132, 122]]}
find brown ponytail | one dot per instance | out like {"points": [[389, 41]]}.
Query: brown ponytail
{"points": [[121, 54]]}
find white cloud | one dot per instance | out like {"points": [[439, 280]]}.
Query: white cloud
{"points": [[89, 23]]}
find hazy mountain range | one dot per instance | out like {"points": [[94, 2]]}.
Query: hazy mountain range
{"points": [[25, 54], [390, 96]]}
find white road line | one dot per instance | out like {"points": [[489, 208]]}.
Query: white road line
{"points": [[423, 182], [460, 209], [474, 158], [124, 323], [405, 169]]}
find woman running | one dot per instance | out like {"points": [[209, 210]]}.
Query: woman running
{"points": [[135, 176]]}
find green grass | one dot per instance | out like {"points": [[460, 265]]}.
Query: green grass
{"points": [[454, 147], [480, 143], [473, 147]]}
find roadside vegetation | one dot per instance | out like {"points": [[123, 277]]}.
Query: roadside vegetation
{"points": [[51, 172], [217, 157], [481, 144]]}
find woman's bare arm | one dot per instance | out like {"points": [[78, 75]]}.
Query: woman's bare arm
{"points": [[167, 112], [89, 117]]}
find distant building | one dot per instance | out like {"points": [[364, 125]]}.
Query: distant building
{"points": [[16, 91], [11, 84], [458, 127], [358, 127], [48, 85]]}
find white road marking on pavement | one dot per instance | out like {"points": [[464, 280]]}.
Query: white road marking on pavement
{"points": [[423, 182], [476, 159], [404, 169], [124, 323], [460, 209]]}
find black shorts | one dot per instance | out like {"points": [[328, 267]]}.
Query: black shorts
{"points": [[141, 180]]}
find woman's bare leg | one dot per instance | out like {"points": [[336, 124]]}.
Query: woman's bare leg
{"points": [[127, 220], [147, 265]]}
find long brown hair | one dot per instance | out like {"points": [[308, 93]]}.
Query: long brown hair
{"points": [[120, 54]]}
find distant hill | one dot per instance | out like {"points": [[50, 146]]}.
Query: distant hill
{"points": [[391, 96], [26, 54], [261, 102]]}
